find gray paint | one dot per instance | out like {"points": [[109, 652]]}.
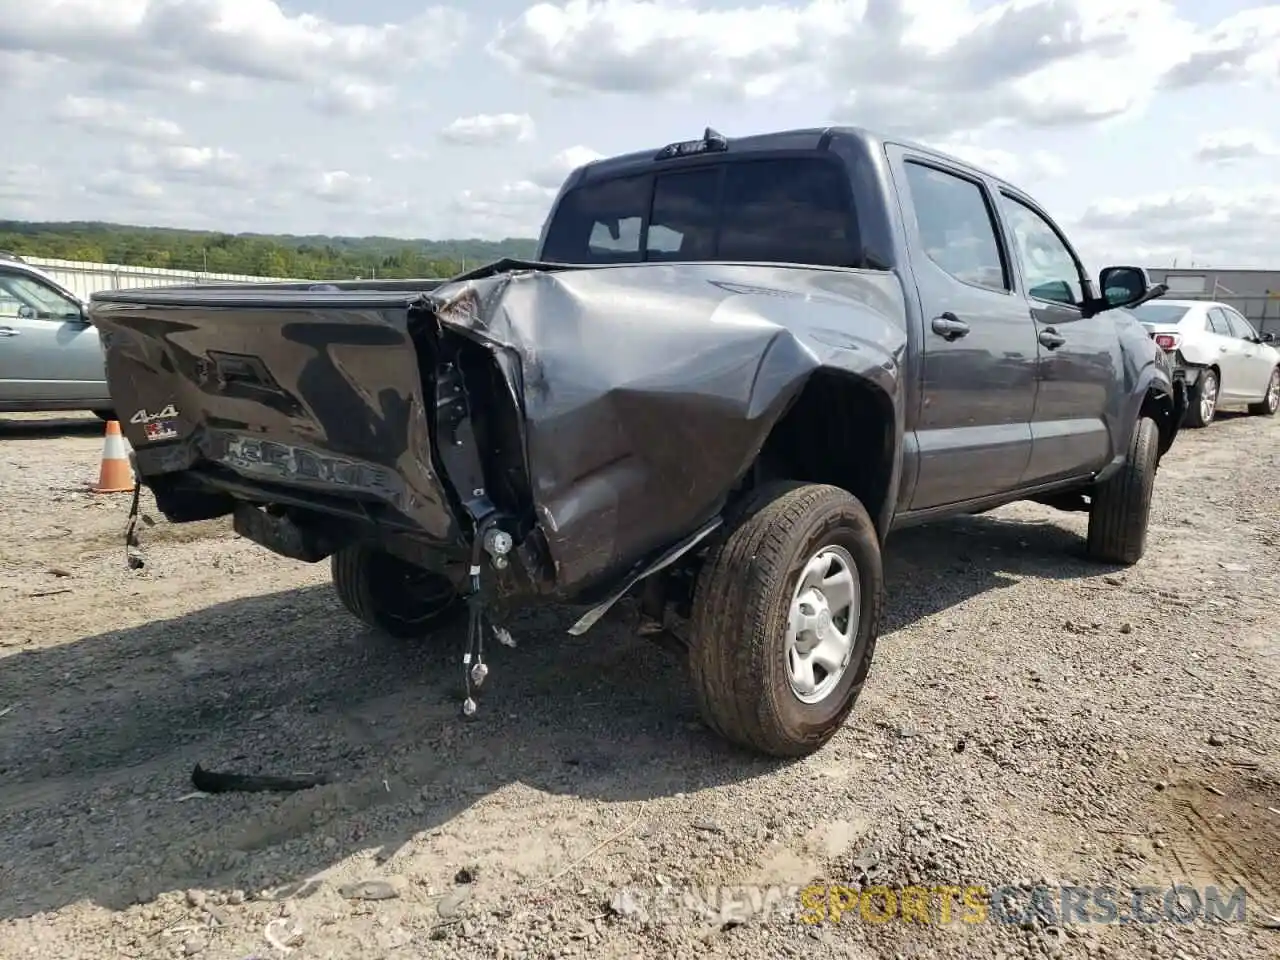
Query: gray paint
{"points": [[606, 414]]}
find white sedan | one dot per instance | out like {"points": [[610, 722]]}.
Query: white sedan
{"points": [[1224, 359]]}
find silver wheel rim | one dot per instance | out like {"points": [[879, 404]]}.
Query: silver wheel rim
{"points": [[822, 628], [1273, 391], [1208, 396]]}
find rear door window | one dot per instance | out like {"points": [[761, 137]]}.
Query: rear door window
{"points": [[1240, 327], [780, 210], [956, 226], [1218, 322]]}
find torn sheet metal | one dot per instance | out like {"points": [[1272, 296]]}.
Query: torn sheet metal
{"points": [[649, 389], [641, 394]]}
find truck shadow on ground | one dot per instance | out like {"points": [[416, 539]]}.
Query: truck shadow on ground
{"points": [[13, 428], [101, 735]]}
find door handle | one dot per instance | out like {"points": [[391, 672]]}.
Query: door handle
{"points": [[1051, 338], [9, 332], [949, 327], [1223, 348]]}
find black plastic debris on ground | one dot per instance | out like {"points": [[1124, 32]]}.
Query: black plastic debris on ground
{"points": [[209, 781]]}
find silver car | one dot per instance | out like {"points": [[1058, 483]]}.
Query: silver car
{"points": [[50, 356], [1224, 360]]}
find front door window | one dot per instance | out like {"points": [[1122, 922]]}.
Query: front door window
{"points": [[23, 297], [1051, 271]]}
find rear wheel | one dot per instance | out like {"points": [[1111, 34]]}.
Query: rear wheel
{"points": [[392, 595], [1120, 509], [785, 619], [1203, 400], [1271, 402], [105, 415]]}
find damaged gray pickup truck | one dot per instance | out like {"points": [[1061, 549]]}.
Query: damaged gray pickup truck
{"points": [[736, 366]]}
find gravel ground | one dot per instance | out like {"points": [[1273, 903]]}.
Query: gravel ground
{"points": [[1030, 719]]}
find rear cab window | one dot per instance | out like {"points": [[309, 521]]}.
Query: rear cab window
{"points": [[770, 209], [1159, 313]]}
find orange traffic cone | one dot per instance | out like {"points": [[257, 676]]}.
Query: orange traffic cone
{"points": [[115, 475]]}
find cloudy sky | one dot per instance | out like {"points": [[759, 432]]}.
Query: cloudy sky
{"points": [[1151, 129]]}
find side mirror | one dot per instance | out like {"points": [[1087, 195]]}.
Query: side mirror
{"points": [[1126, 287], [1266, 338]]}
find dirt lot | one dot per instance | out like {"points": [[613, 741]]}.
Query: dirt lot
{"points": [[1030, 719]]}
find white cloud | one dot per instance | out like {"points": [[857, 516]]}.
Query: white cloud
{"points": [[514, 209], [98, 115], [517, 208], [351, 97], [339, 186], [201, 166], [125, 185], [239, 38], [490, 129], [1228, 146], [934, 67], [408, 154], [992, 81], [1029, 167], [21, 69], [553, 174], [1211, 225], [130, 78], [22, 183], [662, 46], [1244, 46]]}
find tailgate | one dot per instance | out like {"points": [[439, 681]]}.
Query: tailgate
{"points": [[278, 388]]}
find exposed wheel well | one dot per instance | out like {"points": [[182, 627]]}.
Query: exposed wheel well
{"points": [[838, 431], [1165, 410]]}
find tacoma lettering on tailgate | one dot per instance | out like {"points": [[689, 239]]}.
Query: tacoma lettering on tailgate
{"points": [[271, 460]]}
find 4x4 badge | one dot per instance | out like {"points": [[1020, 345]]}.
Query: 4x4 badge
{"points": [[168, 413]]}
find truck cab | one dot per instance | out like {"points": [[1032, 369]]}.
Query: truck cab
{"points": [[1018, 376]]}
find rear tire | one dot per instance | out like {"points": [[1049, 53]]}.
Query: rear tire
{"points": [[1271, 402], [392, 595], [1202, 400], [748, 665], [105, 415], [1120, 510]]}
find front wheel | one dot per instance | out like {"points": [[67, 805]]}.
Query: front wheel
{"points": [[1271, 401], [1120, 509], [392, 595], [786, 615]]}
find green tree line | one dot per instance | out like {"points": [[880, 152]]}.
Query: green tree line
{"points": [[260, 255]]}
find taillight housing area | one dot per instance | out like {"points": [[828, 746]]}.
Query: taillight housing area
{"points": [[1167, 341]]}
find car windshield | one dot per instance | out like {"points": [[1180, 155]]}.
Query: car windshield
{"points": [[1153, 314], [784, 210]]}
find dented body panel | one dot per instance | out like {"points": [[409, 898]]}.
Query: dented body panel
{"points": [[606, 407], [294, 392], [640, 395]]}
